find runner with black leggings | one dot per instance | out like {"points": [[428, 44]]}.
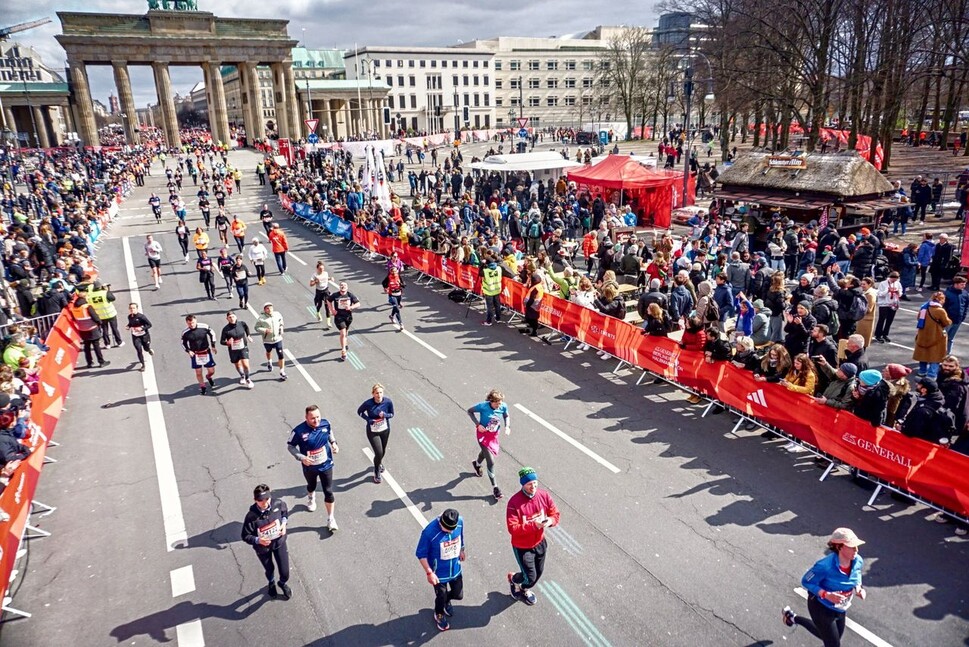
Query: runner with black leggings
{"points": [[488, 417], [377, 411], [312, 443]]}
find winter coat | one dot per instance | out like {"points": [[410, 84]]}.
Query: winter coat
{"points": [[681, 302], [910, 263], [956, 304], [873, 404], [797, 334], [921, 422], [930, 341]]}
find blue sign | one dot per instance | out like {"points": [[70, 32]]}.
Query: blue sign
{"points": [[523, 133], [603, 137], [313, 138]]}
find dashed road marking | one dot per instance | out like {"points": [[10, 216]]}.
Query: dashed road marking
{"points": [[424, 344], [302, 371], [399, 491], [183, 581], [189, 634], [422, 404], [570, 440], [854, 626]]}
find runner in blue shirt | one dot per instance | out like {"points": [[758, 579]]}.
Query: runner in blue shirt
{"points": [[488, 417], [831, 584], [441, 550], [312, 443]]}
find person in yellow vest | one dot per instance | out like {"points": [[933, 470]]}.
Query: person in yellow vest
{"points": [[102, 299], [239, 232], [89, 328], [491, 290], [533, 303], [201, 241]]}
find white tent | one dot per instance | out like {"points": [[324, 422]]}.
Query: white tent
{"points": [[543, 161]]}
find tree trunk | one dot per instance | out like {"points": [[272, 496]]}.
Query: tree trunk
{"points": [[758, 121], [725, 120], [743, 128], [924, 103]]}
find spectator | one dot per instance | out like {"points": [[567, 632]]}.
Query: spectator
{"points": [[655, 295], [866, 325], [738, 273], [952, 383], [824, 308], [797, 331], [802, 376], [821, 345], [900, 398], [776, 302], [745, 356], [956, 306], [723, 296], [926, 251], [852, 304], [744, 324], [930, 341], [910, 266], [657, 322], [760, 327], [610, 305], [887, 298], [804, 290], [926, 420], [871, 397], [840, 383], [864, 257], [694, 335], [940, 261], [681, 300], [706, 307], [585, 296], [775, 365], [855, 352]]}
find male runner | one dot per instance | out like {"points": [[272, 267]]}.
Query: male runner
{"points": [[265, 529], [155, 203], [530, 511], [266, 216], [270, 325], [139, 325], [240, 274], [313, 444], [199, 342], [441, 550], [235, 335], [153, 251], [342, 305], [490, 415]]}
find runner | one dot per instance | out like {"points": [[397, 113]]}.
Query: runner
{"points": [[321, 281], [222, 226], [490, 415], [153, 250], [831, 584], [235, 335], [394, 286], [206, 271], [199, 342], [201, 241], [342, 305], [257, 256], [240, 274], [239, 232], [441, 550], [277, 237], [377, 411], [530, 511], [155, 202], [181, 232], [313, 444], [264, 529], [266, 216], [226, 265], [139, 325], [206, 208], [270, 325]]}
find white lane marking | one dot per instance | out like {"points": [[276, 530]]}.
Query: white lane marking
{"points": [[183, 581], [302, 371], [424, 344], [570, 440], [189, 634], [254, 313], [334, 284], [399, 491], [171, 504], [296, 258], [854, 626], [891, 343]]}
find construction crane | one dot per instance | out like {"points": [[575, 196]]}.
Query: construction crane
{"points": [[5, 32]]}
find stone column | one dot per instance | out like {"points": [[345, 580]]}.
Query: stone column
{"points": [[323, 114], [251, 101], [218, 113], [123, 82], [87, 129], [163, 87], [301, 116], [41, 126], [338, 116], [280, 95], [9, 118], [296, 127]]}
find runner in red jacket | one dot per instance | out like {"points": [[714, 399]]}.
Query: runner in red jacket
{"points": [[530, 512]]}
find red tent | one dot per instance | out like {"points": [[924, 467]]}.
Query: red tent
{"points": [[651, 193]]}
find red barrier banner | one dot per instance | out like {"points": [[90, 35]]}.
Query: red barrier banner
{"points": [[927, 470], [56, 370]]}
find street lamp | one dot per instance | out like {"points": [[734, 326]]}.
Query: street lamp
{"points": [[30, 109]]}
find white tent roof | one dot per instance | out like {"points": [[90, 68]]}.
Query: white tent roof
{"points": [[525, 162]]}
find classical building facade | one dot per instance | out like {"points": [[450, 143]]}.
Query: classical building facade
{"points": [[34, 98]]}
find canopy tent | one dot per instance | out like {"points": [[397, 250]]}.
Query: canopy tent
{"points": [[623, 179], [525, 162]]}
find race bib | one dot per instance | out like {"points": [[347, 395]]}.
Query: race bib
{"points": [[201, 358], [237, 344], [271, 531], [451, 549], [343, 303], [137, 331], [240, 275], [378, 426], [494, 424], [318, 456], [540, 517]]}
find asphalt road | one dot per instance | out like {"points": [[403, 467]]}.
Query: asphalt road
{"points": [[674, 531]]}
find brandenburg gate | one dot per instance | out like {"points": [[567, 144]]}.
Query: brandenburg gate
{"points": [[162, 38]]}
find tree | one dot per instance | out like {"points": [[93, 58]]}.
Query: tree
{"points": [[622, 69]]}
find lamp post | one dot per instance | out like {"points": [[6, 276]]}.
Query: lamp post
{"points": [[30, 109], [521, 99]]}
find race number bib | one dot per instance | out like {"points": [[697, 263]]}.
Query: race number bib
{"points": [[318, 456], [451, 549], [240, 275], [343, 303], [493, 424], [137, 331], [237, 344], [539, 517], [271, 531], [378, 426], [202, 358]]}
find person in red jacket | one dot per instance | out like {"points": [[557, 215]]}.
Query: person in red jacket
{"points": [[280, 246], [530, 512]]}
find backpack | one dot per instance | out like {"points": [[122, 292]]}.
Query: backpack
{"points": [[832, 322], [535, 230], [457, 295], [713, 310], [859, 306], [944, 422]]}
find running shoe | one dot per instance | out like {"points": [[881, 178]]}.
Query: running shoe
{"points": [[151, 352], [477, 468], [282, 376], [242, 381], [512, 585], [272, 590], [287, 592], [119, 344], [319, 317], [448, 609], [497, 493], [311, 501], [528, 597], [787, 616], [331, 525], [441, 622], [377, 479], [381, 469], [202, 390], [142, 368], [249, 384], [104, 363], [486, 323]]}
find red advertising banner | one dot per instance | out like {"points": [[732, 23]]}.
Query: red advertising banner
{"points": [[56, 370], [925, 469]]}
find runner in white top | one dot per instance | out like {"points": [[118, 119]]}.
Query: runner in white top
{"points": [[321, 281], [153, 250]]}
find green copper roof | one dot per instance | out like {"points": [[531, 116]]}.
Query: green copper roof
{"points": [[18, 88], [341, 84], [318, 58]]}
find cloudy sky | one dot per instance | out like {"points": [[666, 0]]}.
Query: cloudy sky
{"points": [[337, 24]]}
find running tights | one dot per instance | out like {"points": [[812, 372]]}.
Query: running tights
{"points": [[485, 458], [378, 442], [826, 624], [531, 561]]}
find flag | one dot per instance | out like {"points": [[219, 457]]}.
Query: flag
{"points": [[824, 218]]}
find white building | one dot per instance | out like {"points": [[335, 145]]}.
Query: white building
{"points": [[432, 89]]}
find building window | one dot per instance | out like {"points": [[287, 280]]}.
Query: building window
{"points": [[587, 82], [467, 99], [486, 79], [400, 63], [400, 81], [413, 102], [475, 79], [454, 80], [514, 101], [552, 84], [552, 66], [587, 101], [534, 102], [570, 83], [485, 65], [534, 84], [535, 121], [533, 65], [434, 63], [387, 63], [551, 102], [514, 66], [498, 102], [465, 79], [497, 65], [410, 63], [570, 101], [587, 65], [390, 101], [390, 81], [476, 64], [464, 63], [516, 83], [423, 63], [570, 65], [376, 63], [487, 99], [497, 84], [606, 82], [412, 81], [604, 65]]}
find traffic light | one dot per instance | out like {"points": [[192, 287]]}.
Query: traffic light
{"points": [[467, 114]]}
